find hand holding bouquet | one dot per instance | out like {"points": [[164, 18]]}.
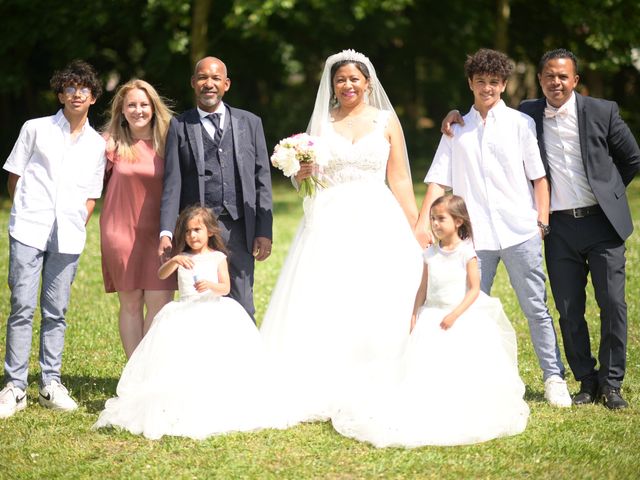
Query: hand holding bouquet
{"points": [[293, 151]]}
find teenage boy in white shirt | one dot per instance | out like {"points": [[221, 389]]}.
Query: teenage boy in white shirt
{"points": [[55, 170], [494, 163]]}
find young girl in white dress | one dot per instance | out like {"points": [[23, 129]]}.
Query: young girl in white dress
{"points": [[201, 369], [458, 381]]}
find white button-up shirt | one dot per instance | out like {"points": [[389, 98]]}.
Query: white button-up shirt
{"points": [[491, 164], [57, 177], [569, 184]]}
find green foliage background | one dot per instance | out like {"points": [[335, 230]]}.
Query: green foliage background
{"points": [[275, 49]]}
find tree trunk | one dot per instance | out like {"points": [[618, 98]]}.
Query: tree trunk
{"points": [[199, 30], [503, 13]]}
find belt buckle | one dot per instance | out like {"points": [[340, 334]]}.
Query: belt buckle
{"points": [[579, 212]]}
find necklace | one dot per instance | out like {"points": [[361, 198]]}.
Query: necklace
{"points": [[351, 117]]}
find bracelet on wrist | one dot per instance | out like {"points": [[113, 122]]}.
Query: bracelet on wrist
{"points": [[546, 229]]}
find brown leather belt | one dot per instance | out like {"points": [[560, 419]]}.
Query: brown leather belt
{"points": [[581, 212]]}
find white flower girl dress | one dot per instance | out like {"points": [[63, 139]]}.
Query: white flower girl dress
{"points": [[201, 369], [452, 387]]}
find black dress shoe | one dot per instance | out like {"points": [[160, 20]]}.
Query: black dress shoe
{"points": [[587, 394], [612, 399]]}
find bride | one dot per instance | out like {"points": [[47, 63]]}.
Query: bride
{"points": [[345, 293]]}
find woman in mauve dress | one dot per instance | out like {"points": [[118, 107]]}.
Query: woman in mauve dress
{"points": [[130, 217]]}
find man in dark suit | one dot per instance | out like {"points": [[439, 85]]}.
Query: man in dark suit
{"points": [[216, 156], [590, 156]]}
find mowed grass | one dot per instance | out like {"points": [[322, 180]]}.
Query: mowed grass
{"points": [[589, 442]]}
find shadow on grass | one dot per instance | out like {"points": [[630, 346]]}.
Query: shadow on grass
{"points": [[89, 392], [533, 395]]}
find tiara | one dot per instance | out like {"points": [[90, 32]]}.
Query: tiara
{"points": [[347, 55]]}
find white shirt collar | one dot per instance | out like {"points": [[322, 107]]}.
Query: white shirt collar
{"points": [[221, 110], [494, 111], [207, 124], [61, 120]]}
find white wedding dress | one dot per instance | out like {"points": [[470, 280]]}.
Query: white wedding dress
{"points": [[451, 387], [346, 291], [200, 370]]}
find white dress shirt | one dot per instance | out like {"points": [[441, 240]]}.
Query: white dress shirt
{"points": [[569, 184], [57, 177], [491, 165]]}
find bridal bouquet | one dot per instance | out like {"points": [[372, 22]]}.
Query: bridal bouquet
{"points": [[295, 150]]}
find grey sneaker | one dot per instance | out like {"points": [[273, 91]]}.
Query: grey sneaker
{"points": [[56, 397], [12, 400]]}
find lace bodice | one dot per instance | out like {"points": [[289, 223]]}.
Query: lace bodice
{"points": [[366, 159], [206, 268], [447, 283]]}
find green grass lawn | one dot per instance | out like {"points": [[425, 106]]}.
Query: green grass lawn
{"points": [[589, 442]]}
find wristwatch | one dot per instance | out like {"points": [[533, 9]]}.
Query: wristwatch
{"points": [[546, 229]]}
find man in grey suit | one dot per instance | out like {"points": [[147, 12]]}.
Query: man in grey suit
{"points": [[590, 157], [216, 156]]}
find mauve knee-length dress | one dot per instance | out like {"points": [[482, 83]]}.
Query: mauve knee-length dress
{"points": [[130, 222]]}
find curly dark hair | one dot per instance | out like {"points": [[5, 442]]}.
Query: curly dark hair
{"points": [[558, 53], [488, 62], [78, 72]]}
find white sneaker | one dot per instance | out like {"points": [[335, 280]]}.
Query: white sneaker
{"points": [[556, 392], [12, 400], [56, 397]]}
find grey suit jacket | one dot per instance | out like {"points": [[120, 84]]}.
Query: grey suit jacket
{"points": [[184, 171], [610, 154]]}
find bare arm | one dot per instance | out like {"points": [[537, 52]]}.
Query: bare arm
{"points": [[452, 117], [398, 176], [11, 184], [172, 265], [473, 290], [91, 205], [423, 228], [541, 197], [421, 296]]}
